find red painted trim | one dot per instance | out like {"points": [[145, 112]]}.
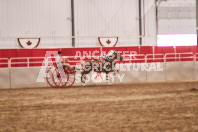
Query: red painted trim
{"points": [[14, 53], [38, 52], [107, 37], [28, 38]]}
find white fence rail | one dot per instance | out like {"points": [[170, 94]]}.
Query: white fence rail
{"points": [[154, 57], [4, 62], [179, 56], [16, 62], [127, 58]]}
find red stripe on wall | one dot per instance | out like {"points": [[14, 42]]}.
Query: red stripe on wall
{"points": [[164, 50], [146, 50], [12, 53]]}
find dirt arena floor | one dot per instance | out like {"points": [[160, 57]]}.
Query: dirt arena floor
{"points": [[148, 107]]}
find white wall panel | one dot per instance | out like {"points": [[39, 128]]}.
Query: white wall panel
{"points": [[4, 78], [196, 70], [133, 75], [156, 76], [106, 18], [150, 23], [172, 71], [177, 17], [26, 78], [12, 43], [40, 18], [180, 71], [177, 26], [3, 25], [52, 18], [178, 2]]}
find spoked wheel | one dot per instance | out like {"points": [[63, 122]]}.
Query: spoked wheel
{"points": [[69, 71], [60, 79], [49, 77]]}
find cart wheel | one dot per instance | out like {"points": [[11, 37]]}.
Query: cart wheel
{"points": [[49, 77], [59, 80]]}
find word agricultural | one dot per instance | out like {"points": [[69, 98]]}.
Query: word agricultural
{"points": [[59, 74]]}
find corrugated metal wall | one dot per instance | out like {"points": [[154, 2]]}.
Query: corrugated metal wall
{"points": [[29, 18], [150, 33], [52, 18], [106, 18], [177, 17]]}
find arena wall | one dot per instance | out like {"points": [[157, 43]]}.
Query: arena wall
{"points": [[155, 76], [25, 77], [196, 71], [51, 21], [180, 71], [177, 17], [172, 71], [17, 73], [46, 18], [12, 53], [5, 78]]}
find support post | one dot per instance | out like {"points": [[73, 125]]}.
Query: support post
{"points": [[197, 19], [156, 9], [73, 24], [140, 22]]}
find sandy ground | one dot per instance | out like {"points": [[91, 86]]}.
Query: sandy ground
{"points": [[149, 107]]}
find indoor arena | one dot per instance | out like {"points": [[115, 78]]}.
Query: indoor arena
{"points": [[98, 65]]}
